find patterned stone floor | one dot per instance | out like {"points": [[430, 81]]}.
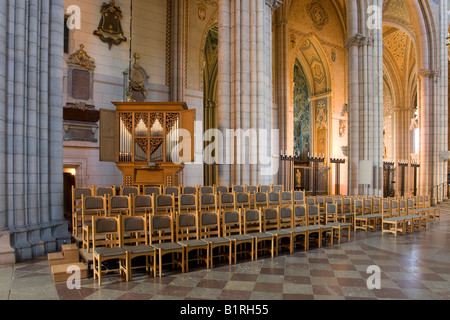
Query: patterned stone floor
{"points": [[413, 266]]}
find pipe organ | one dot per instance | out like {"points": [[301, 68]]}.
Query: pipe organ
{"points": [[149, 141]]}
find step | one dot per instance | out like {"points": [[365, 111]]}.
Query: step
{"points": [[70, 252], [55, 258], [60, 272]]}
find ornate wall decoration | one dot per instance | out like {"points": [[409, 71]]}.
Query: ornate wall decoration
{"points": [[110, 28], [201, 12], [302, 113], [396, 44], [138, 82], [317, 14], [82, 59], [342, 128], [321, 114]]}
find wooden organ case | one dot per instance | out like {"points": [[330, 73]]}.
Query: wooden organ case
{"points": [[151, 147]]}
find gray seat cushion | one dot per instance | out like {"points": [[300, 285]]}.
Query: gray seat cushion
{"points": [[281, 232], [261, 235], [166, 246], [139, 249], [240, 237], [109, 252], [194, 243], [217, 240]]}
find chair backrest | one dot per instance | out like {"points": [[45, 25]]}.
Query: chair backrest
{"points": [[105, 231], [299, 197], [300, 215], [242, 200], [134, 230], [274, 199], [152, 191], [264, 188], [142, 204], [118, 205], [358, 206], [208, 202], [128, 191], [175, 191], [164, 203], [206, 190], [77, 194], [261, 200], [410, 205], [161, 228], [227, 201], [320, 200], [186, 226], [271, 218], [105, 191], [286, 217], [277, 188], [386, 208], [189, 190], [209, 225], [252, 189], [231, 222], [93, 205], [368, 206], [310, 201], [347, 204], [287, 197], [313, 210], [395, 207], [252, 220], [239, 188], [331, 213], [222, 189], [376, 205], [187, 202]]}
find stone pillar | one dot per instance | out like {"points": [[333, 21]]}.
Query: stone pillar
{"points": [[245, 89], [31, 172], [364, 47]]}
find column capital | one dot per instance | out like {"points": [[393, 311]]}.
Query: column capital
{"points": [[358, 40], [274, 4], [428, 73]]}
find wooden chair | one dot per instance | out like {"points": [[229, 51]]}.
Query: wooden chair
{"points": [[90, 206], [106, 247], [210, 232], [162, 238], [187, 235], [338, 227], [365, 219], [242, 200], [134, 239], [320, 201], [390, 223], [77, 194], [416, 216], [119, 205], [358, 212], [232, 229], [142, 205], [271, 219], [164, 204], [253, 226], [313, 227], [281, 236]]}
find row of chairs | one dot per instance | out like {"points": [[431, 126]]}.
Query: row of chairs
{"points": [[150, 204], [202, 236]]}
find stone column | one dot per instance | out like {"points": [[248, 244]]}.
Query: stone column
{"points": [[364, 47], [31, 215], [245, 88]]}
